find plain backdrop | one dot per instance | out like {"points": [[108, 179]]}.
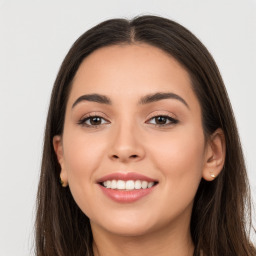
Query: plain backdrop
{"points": [[34, 38]]}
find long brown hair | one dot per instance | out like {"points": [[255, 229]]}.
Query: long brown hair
{"points": [[221, 217]]}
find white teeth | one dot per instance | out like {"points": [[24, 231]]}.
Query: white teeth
{"points": [[144, 184], [137, 184], [113, 184], [127, 185], [107, 183], [120, 184], [150, 184]]}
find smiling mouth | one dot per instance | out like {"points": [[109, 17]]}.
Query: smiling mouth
{"points": [[128, 185]]}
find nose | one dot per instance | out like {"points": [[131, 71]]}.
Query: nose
{"points": [[126, 145]]}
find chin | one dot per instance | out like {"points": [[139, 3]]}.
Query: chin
{"points": [[126, 225], [129, 230]]}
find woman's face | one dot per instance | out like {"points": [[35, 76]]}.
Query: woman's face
{"points": [[132, 110]]}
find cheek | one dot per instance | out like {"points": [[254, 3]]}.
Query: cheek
{"points": [[83, 156], [180, 158], [82, 153]]}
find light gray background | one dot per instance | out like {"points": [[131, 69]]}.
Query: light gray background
{"points": [[34, 38]]}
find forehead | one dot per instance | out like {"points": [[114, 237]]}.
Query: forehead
{"points": [[130, 71]]}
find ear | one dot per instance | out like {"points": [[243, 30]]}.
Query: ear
{"points": [[215, 155], [58, 148]]}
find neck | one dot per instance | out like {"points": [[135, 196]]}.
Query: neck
{"points": [[165, 241]]}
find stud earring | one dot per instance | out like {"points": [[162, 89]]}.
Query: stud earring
{"points": [[212, 175], [62, 182]]}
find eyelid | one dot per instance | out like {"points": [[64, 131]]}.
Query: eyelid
{"points": [[161, 113], [95, 113], [82, 120], [172, 120]]}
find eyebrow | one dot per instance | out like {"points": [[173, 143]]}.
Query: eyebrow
{"points": [[161, 96], [102, 99], [94, 98]]}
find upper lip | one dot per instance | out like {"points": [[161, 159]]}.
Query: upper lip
{"points": [[125, 176]]}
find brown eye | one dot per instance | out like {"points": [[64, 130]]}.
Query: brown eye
{"points": [[92, 121], [95, 120], [162, 120]]}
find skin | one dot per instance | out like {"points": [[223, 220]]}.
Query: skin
{"points": [[177, 155]]}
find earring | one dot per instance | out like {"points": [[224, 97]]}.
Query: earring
{"points": [[62, 182], [212, 175]]}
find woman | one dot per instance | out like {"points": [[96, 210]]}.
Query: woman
{"points": [[141, 154]]}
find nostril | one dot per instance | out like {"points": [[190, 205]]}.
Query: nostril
{"points": [[123, 157]]}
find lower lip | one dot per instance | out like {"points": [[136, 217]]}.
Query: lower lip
{"points": [[126, 196]]}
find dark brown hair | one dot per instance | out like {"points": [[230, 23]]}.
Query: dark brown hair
{"points": [[221, 217]]}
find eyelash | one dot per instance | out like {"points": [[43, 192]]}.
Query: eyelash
{"points": [[171, 120], [82, 122]]}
